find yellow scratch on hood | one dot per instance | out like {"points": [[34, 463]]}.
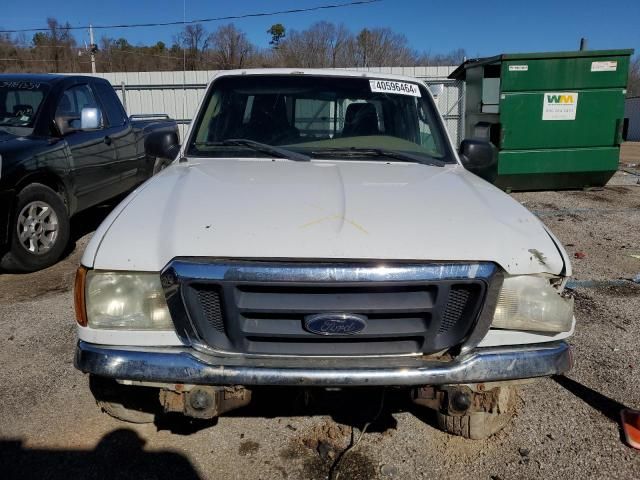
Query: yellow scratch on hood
{"points": [[336, 217]]}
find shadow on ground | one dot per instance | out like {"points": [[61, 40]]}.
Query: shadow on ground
{"points": [[607, 406], [119, 454]]}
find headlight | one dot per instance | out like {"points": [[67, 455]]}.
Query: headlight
{"points": [[125, 300], [531, 302]]}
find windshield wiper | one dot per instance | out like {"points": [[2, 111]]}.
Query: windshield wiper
{"points": [[382, 152], [260, 147]]}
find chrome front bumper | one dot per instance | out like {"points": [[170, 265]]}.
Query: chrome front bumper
{"points": [[186, 365]]}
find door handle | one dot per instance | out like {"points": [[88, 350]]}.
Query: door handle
{"points": [[107, 140]]}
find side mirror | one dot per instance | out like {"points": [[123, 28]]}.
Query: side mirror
{"points": [[90, 118], [480, 157], [162, 144]]}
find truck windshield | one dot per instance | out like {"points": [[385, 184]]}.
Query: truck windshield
{"points": [[320, 116], [20, 101]]}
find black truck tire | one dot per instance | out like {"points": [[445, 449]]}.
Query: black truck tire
{"points": [[40, 230], [125, 402]]}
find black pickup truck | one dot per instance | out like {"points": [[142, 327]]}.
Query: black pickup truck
{"points": [[66, 144]]}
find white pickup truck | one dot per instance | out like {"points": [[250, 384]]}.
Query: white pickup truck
{"points": [[318, 229]]}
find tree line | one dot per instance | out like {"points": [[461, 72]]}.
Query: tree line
{"points": [[323, 44]]}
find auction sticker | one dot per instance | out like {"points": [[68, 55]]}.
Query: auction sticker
{"points": [[559, 106], [389, 86]]}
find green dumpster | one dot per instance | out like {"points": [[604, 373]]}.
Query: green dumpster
{"points": [[556, 118]]}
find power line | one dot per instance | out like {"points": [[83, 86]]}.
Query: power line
{"points": [[203, 20]]}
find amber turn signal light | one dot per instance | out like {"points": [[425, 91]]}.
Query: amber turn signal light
{"points": [[78, 296]]}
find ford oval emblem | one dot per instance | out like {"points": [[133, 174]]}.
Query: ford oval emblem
{"points": [[335, 323]]}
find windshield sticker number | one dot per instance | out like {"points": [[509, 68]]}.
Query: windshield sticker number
{"points": [[20, 85], [401, 88]]}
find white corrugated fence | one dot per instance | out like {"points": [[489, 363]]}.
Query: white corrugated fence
{"points": [[178, 93]]}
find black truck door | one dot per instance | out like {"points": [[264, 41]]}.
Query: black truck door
{"points": [[129, 157], [93, 153]]}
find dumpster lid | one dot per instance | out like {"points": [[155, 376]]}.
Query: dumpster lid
{"points": [[460, 72]]}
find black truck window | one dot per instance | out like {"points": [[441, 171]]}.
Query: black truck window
{"points": [[70, 106], [114, 112]]}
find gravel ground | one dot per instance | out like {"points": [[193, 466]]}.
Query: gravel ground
{"points": [[566, 427]]}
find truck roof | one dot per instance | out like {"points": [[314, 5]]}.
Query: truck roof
{"points": [[321, 72], [48, 78]]}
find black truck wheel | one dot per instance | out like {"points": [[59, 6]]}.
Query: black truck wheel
{"points": [[40, 230]]}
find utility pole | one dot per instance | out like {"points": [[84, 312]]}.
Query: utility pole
{"points": [[93, 48]]}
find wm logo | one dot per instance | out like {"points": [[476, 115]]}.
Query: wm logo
{"points": [[560, 99]]}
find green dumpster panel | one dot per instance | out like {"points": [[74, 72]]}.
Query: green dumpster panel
{"points": [[555, 169], [598, 119], [557, 73]]}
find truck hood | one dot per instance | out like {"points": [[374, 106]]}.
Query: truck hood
{"points": [[280, 209]]}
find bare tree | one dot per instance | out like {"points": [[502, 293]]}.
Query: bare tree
{"points": [[454, 57], [229, 47], [57, 45], [321, 45], [634, 77], [194, 39], [381, 47]]}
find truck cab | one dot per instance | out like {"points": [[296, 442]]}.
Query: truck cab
{"points": [[66, 144], [319, 229]]}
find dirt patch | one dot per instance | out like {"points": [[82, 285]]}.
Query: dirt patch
{"points": [[329, 434], [323, 452], [248, 447], [598, 198], [585, 305], [617, 188], [59, 278], [540, 206], [624, 290]]}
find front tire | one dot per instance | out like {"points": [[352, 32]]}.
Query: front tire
{"points": [[40, 230], [125, 402]]}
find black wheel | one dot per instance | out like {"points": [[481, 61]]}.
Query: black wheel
{"points": [[125, 402], [39, 230]]}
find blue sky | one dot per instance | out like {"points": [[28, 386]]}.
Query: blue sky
{"points": [[481, 28]]}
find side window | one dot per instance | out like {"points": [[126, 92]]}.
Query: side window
{"points": [[113, 109], [70, 106]]}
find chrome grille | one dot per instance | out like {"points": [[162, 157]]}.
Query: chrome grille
{"points": [[249, 309]]}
